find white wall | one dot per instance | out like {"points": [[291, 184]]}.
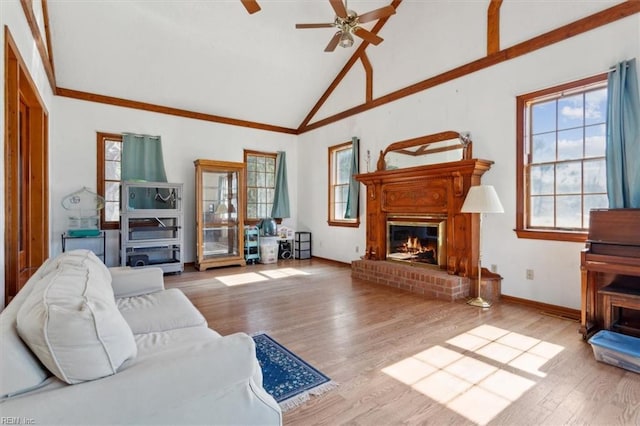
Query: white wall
{"points": [[12, 16], [73, 154], [484, 104]]}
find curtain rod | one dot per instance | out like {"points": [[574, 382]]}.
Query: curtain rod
{"points": [[613, 69], [139, 135]]}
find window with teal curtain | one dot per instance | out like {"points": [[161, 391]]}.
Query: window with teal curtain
{"points": [[281, 193], [353, 194], [142, 160], [623, 137]]}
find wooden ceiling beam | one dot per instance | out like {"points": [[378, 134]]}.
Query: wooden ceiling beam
{"points": [[126, 103], [368, 70], [47, 35], [583, 25], [27, 8], [612, 14], [493, 26], [354, 58]]}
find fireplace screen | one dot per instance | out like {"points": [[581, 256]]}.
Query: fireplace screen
{"points": [[417, 240]]}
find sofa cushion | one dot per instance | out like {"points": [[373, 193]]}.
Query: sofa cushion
{"points": [[71, 321], [161, 311]]}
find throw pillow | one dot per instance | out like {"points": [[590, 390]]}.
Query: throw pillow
{"points": [[71, 321]]}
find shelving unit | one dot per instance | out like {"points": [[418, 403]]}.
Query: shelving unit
{"points": [[251, 244], [302, 245], [151, 225], [219, 214]]}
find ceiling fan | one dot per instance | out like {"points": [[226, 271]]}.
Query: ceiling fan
{"points": [[348, 24], [252, 6]]}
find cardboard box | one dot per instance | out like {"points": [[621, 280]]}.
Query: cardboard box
{"points": [[617, 349]]}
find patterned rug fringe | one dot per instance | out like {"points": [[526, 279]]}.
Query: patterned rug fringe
{"points": [[300, 399]]}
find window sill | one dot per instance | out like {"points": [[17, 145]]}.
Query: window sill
{"points": [[354, 224], [110, 225], [575, 237]]}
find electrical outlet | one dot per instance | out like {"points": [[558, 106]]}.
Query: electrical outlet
{"points": [[529, 274], [494, 268]]}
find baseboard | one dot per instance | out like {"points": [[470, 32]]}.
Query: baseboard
{"points": [[545, 308], [336, 262]]}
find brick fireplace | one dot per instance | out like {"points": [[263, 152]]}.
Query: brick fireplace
{"points": [[430, 191], [434, 283]]}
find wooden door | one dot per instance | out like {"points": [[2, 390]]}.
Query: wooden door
{"points": [[26, 237], [23, 192]]}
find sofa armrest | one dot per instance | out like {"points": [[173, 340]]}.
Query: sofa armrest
{"points": [[127, 282]]}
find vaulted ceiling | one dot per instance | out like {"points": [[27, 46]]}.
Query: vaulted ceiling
{"points": [[207, 56], [211, 59]]}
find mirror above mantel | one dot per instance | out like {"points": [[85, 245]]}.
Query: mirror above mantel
{"points": [[437, 148]]}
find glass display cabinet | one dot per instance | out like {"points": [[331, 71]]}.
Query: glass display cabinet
{"points": [[219, 214]]}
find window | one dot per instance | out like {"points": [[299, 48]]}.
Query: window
{"points": [[339, 175], [109, 157], [260, 182], [561, 159]]}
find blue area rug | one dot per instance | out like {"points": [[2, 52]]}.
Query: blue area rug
{"points": [[286, 376]]}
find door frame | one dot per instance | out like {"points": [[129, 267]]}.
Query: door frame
{"points": [[19, 86]]}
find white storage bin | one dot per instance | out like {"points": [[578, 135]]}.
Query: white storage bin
{"points": [[268, 250]]}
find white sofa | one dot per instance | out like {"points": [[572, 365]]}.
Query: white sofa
{"points": [[150, 360]]}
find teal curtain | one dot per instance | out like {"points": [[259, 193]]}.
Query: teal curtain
{"points": [[353, 196], [623, 136], [280, 207], [142, 160]]}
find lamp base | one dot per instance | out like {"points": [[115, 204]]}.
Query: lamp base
{"points": [[479, 302]]}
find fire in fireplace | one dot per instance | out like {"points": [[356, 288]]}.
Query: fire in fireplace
{"points": [[419, 240]]}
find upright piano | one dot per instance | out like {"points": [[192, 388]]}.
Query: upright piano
{"points": [[609, 264]]}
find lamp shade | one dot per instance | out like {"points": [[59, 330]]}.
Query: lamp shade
{"points": [[482, 199]]}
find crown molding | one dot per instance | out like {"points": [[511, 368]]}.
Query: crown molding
{"points": [[161, 109]]}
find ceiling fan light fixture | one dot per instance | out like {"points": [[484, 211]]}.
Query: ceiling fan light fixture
{"points": [[348, 23], [346, 39]]}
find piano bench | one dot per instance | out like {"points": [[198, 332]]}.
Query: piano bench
{"points": [[616, 296]]}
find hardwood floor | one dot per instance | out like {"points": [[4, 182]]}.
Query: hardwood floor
{"points": [[441, 362]]}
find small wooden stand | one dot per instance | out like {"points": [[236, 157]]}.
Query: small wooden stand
{"points": [[490, 286]]}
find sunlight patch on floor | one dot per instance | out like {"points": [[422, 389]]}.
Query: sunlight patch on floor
{"points": [[240, 279], [283, 272], [254, 277], [464, 382]]}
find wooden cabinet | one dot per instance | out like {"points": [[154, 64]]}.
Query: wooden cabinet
{"points": [[219, 214]]}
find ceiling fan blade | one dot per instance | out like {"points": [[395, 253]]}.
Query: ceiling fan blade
{"points": [[339, 8], [383, 12], [302, 26], [252, 6], [334, 42], [368, 36]]}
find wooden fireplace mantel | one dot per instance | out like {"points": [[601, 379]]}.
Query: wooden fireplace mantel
{"points": [[437, 189]]}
